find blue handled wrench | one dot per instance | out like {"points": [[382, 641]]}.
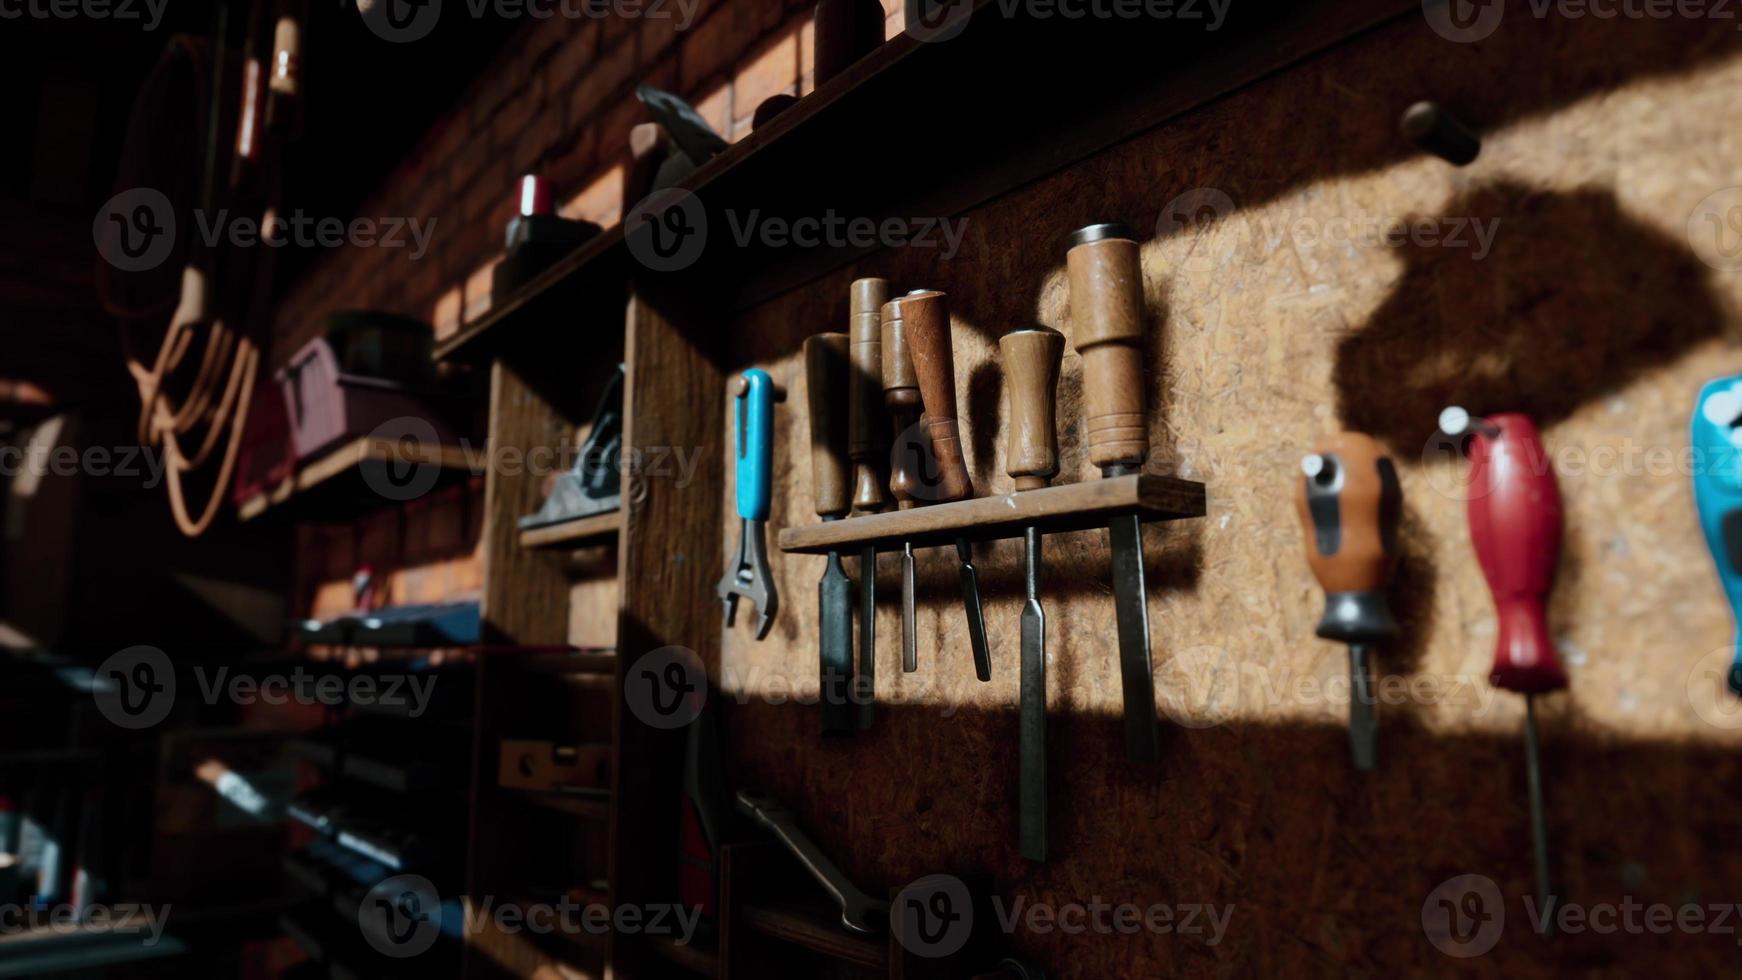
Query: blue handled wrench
{"points": [[748, 577], [1717, 438]]}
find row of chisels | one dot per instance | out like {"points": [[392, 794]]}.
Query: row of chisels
{"points": [[897, 442]]}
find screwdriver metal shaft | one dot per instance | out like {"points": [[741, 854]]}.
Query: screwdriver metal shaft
{"points": [[1538, 824], [1363, 729]]}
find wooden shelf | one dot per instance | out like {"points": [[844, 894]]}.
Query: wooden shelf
{"points": [[589, 806], [1113, 78], [572, 534], [340, 479], [599, 661], [1073, 507]]}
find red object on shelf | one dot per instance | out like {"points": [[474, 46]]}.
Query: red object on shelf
{"points": [[536, 196], [325, 405], [1515, 524]]}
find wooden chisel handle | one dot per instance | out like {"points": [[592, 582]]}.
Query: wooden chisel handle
{"points": [[825, 369], [1031, 373], [925, 321], [901, 395], [1106, 299], [865, 437]]}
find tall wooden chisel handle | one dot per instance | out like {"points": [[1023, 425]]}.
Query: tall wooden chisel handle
{"points": [[865, 435], [1106, 283], [925, 321], [825, 368], [901, 395], [1031, 376]]}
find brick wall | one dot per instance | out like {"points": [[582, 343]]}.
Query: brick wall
{"points": [[558, 100]]}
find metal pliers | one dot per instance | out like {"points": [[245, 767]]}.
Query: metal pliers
{"points": [[748, 577]]}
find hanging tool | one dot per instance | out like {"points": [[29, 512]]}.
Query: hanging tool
{"points": [[1515, 525], [1031, 369], [1106, 299], [865, 445], [825, 367], [1349, 504], [901, 395], [859, 911], [1717, 433], [925, 320], [755, 394]]}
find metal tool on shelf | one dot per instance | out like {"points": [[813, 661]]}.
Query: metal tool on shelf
{"points": [[1107, 323], [593, 485], [825, 362], [1514, 511], [901, 395], [925, 322], [1349, 502], [1431, 127], [859, 911], [1031, 370], [1717, 434], [866, 439], [754, 395]]}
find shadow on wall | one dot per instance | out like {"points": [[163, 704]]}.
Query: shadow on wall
{"points": [[1574, 300]]}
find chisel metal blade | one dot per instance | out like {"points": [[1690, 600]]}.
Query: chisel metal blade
{"points": [[835, 598], [1130, 604], [909, 642], [1031, 723], [976, 618], [866, 687]]}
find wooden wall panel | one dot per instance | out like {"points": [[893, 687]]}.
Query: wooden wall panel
{"points": [[1289, 314]]}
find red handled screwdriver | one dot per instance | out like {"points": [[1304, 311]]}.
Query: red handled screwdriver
{"points": [[1514, 510]]}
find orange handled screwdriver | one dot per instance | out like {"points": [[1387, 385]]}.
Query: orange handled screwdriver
{"points": [[1349, 503]]}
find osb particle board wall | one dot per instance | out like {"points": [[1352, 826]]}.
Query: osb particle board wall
{"points": [[1289, 317]]}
